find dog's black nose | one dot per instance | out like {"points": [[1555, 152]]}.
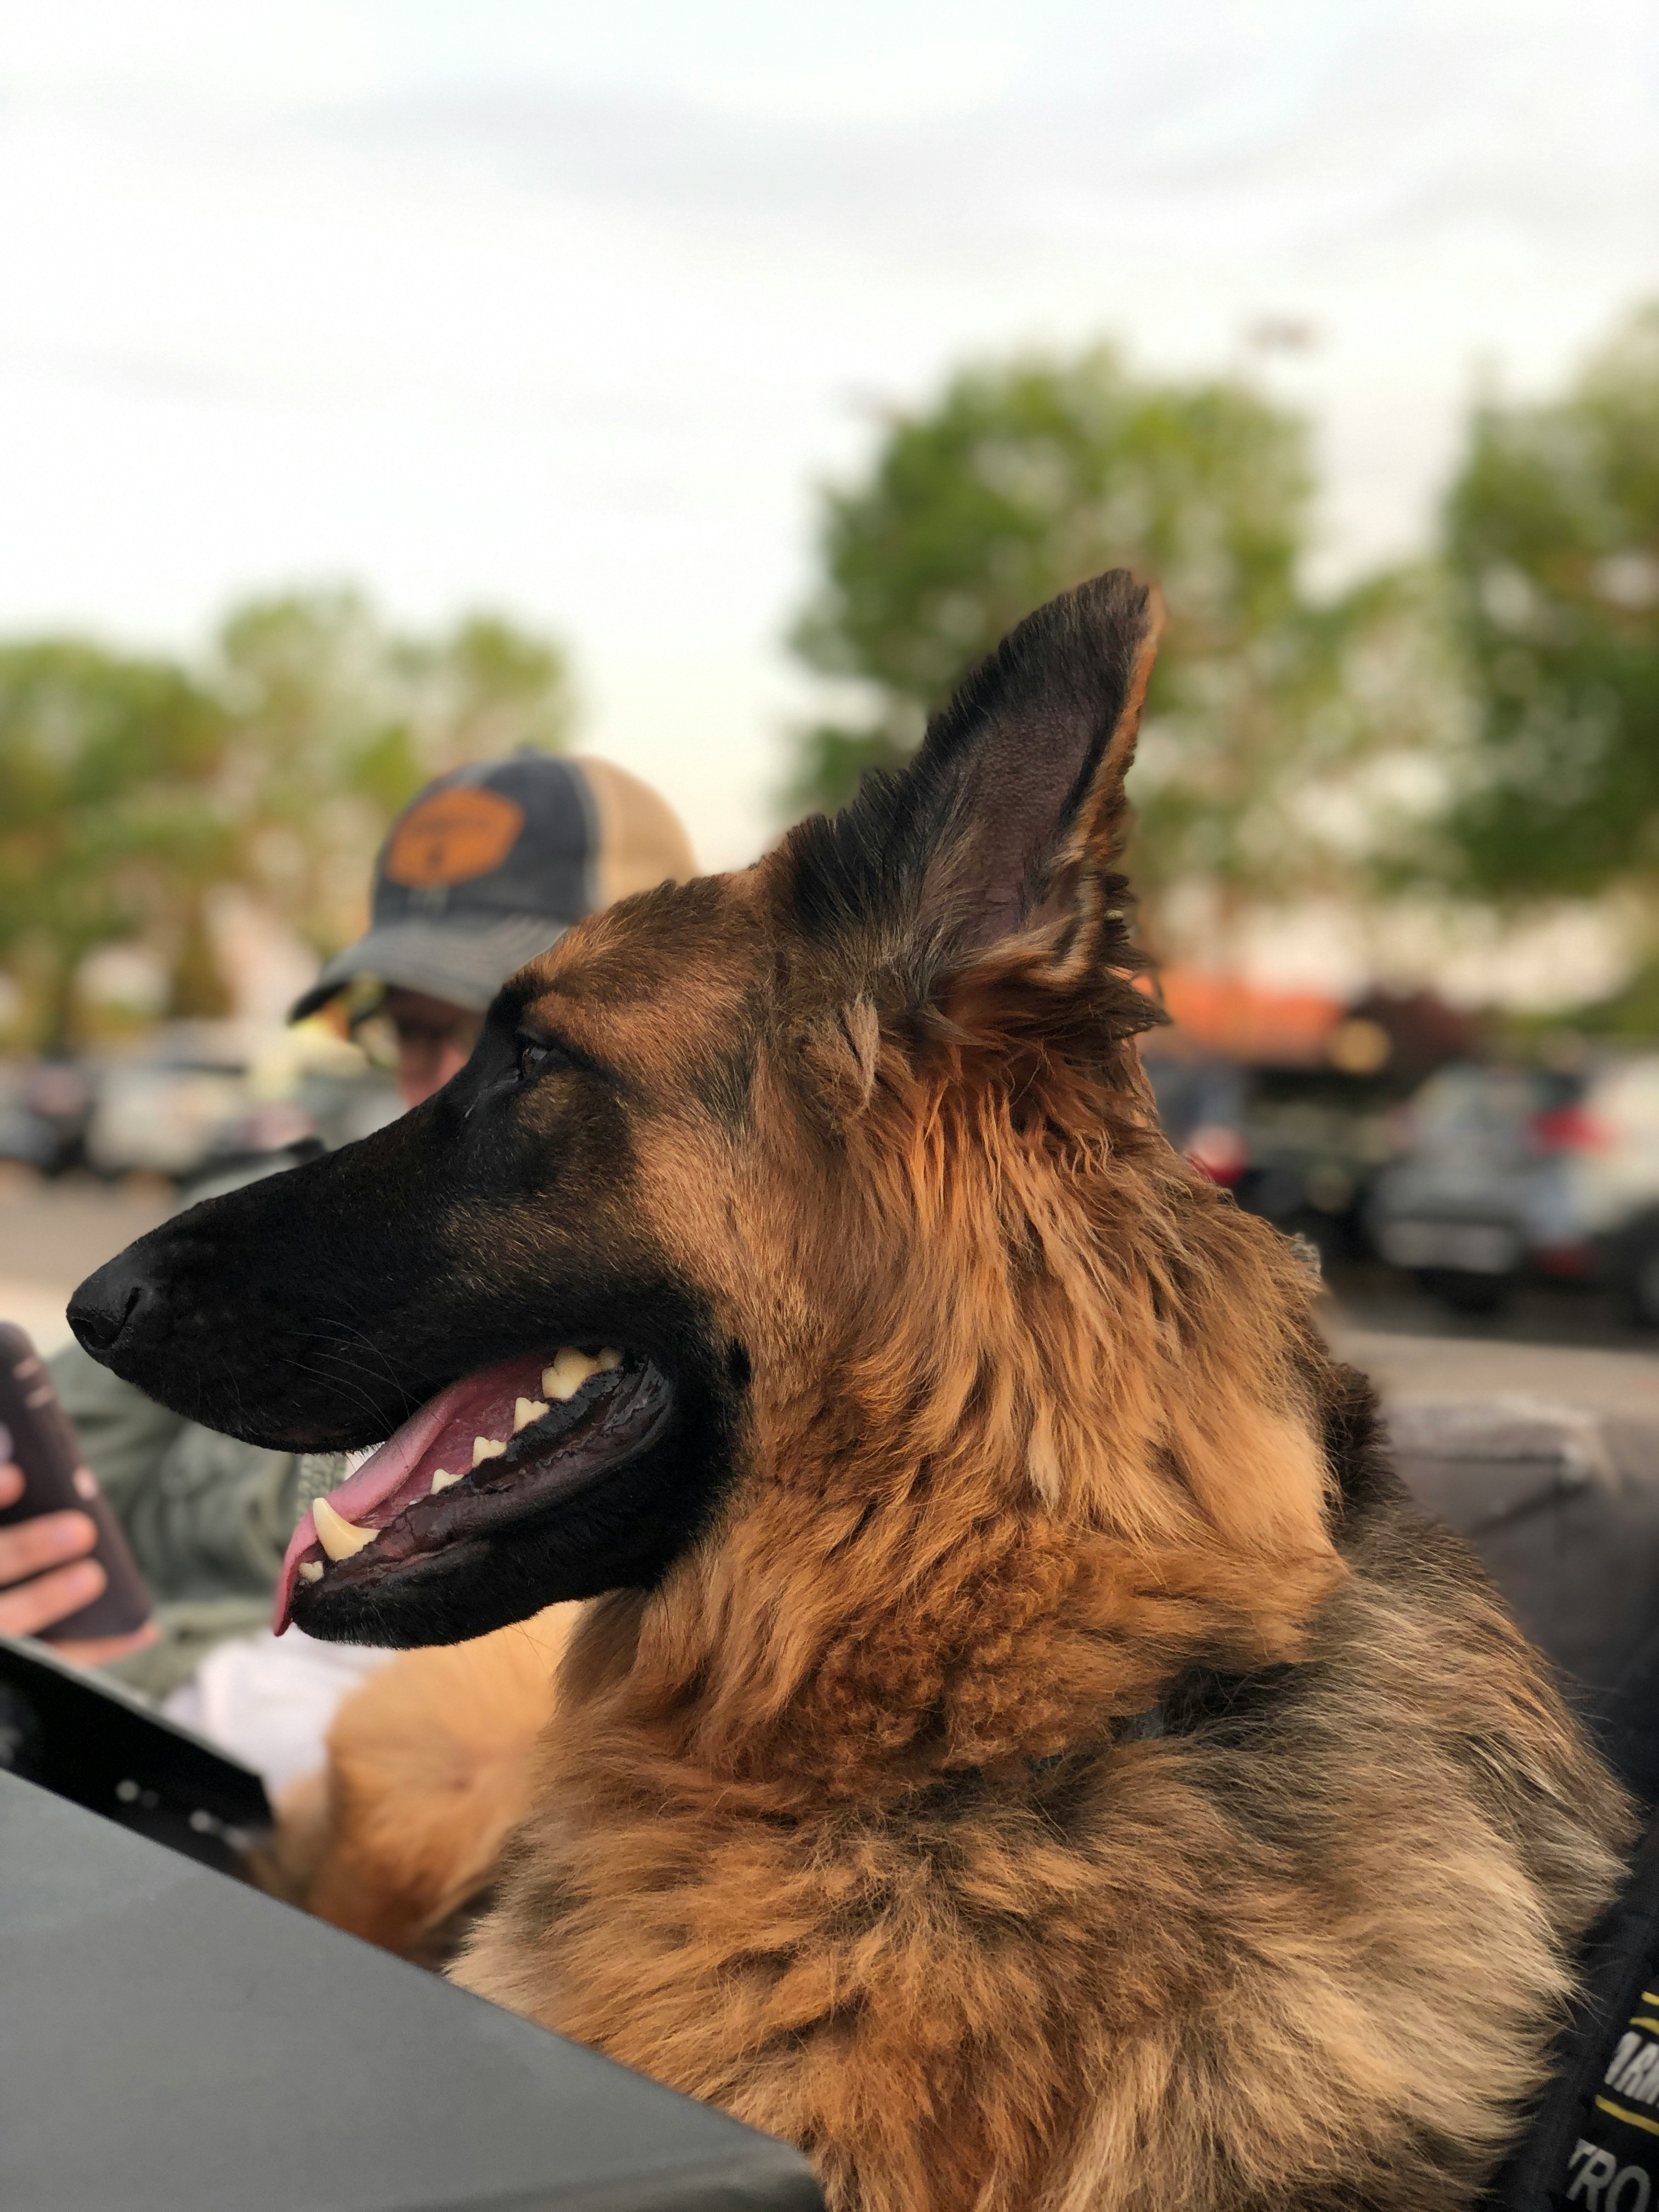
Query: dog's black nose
{"points": [[112, 1304]]}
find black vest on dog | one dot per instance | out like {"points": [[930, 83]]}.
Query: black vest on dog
{"points": [[1593, 2143]]}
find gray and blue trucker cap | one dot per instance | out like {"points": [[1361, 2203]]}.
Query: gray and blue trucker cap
{"points": [[491, 864]]}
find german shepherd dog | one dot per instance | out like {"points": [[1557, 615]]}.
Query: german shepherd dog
{"points": [[1021, 1746]]}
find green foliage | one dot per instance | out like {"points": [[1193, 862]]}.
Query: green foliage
{"points": [[1025, 478], [1631, 1016], [335, 721], [494, 690], [108, 828], [131, 790], [1552, 538]]}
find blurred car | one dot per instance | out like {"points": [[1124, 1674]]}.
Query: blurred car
{"points": [[1516, 1172], [1316, 1138], [167, 1118], [43, 1109], [1610, 1141], [1477, 1193], [1298, 1146], [201, 1100], [1200, 1103], [25, 1135], [1286, 1096]]}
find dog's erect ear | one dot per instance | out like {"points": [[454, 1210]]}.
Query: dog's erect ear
{"points": [[1011, 813]]}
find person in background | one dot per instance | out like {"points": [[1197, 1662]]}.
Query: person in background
{"points": [[484, 868]]}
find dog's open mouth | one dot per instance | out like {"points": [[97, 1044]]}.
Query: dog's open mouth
{"points": [[500, 1446]]}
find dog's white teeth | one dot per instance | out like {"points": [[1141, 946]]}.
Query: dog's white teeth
{"points": [[339, 1537], [485, 1448], [311, 1570], [443, 1480], [609, 1360], [570, 1371], [525, 1411]]}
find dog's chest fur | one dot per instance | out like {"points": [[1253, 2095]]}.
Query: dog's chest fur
{"points": [[1287, 1952]]}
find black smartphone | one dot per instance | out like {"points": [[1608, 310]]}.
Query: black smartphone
{"points": [[39, 1436]]}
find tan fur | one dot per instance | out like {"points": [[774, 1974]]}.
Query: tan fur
{"points": [[427, 1775], [853, 1825]]}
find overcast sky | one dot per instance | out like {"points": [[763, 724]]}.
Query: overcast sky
{"points": [[567, 309]]}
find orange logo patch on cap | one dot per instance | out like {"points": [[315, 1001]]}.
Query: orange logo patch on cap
{"points": [[452, 836]]}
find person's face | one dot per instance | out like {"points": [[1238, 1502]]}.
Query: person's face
{"points": [[434, 1041]]}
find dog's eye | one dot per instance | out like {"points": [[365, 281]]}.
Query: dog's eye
{"points": [[535, 1056]]}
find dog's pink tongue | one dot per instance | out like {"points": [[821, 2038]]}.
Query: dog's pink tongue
{"points": [[462, 1406]]}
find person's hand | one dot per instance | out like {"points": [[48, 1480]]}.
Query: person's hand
{"points": [[44, 1576]]}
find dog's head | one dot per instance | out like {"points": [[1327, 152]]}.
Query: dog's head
{"points": [[785, 1186]]}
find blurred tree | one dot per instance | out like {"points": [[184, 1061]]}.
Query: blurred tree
{"points": [[491, 690], [132, 789], [1552, 540], [1259, 767], [108, 829], [336, 721]]}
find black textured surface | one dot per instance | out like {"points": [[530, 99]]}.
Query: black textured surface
{"points": [[87, 1739]]}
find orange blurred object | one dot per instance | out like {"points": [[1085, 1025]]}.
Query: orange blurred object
{"points": [[1232, 1019]]}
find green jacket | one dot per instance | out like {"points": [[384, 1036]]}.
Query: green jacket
{"points": [[209, 1519]]}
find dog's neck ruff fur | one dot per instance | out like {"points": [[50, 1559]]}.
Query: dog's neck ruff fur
{"points": [[1066, 1446]]}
